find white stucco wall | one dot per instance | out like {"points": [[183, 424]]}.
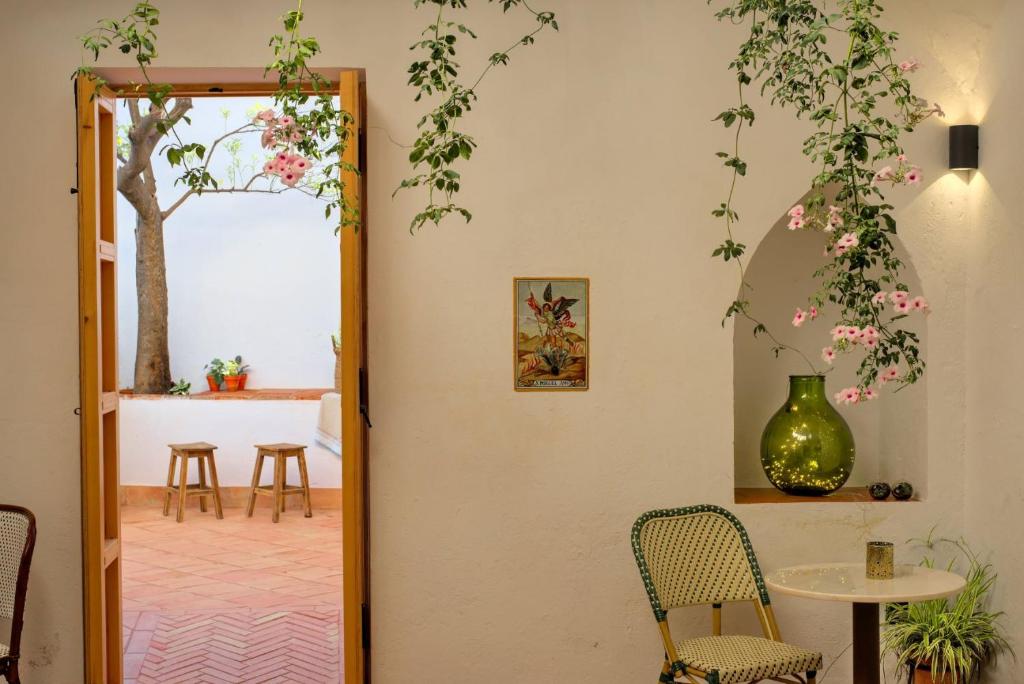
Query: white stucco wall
{"points": [[149, 425], [500, 520], [250, 274]]}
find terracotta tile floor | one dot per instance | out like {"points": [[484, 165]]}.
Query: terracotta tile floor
{"points": [[231, 601]]}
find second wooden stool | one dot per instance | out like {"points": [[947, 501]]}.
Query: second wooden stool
{"points": [[203, 453], [280, 489]]}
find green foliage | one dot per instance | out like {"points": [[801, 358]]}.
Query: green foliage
{"points": [[181, 388], [440, 145], [956, 637], [233, 367], [307, 96], [860, 104], [215, 369]]}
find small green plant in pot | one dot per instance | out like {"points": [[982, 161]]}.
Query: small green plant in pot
{"points": [[181, 388], [235, 374], [214, 374], [948, 641]]}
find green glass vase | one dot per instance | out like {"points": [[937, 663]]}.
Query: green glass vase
{"points": [[807, 447]]}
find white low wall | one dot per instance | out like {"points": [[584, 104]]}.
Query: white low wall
{"points": [[148, 425]]}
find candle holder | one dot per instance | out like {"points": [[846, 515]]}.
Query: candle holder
{"points": [[880, 560]]}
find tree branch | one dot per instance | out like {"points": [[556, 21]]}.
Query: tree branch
{"points": [[245, 128]]}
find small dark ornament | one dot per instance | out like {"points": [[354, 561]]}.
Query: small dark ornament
{"points": [[879, 491], [903, 491]]}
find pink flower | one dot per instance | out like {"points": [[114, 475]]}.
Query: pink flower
{"points": [[282, 157], [289, 179], [270, 168], [850, 395], [849, 240], [299, 163], [913, 176], [898, 296], [902, 306], [296, 136], [835, 218], [870, 342], [838, 333], [267, 138], [796, 211], [910, 65], [852, 333], [889, 374], [286, 120], [813, 312], [870, 332], [829, 354], [799, 318], [919, 304], [281, 167], [869, 394], [901, 158], [796, 222], [266, 115], [879, 298], [884, 173]]}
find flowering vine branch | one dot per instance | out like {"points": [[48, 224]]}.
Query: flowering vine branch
{"points": [[440, 144], [787, 53]]}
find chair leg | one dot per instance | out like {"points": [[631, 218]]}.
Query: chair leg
{"points": [[216, 488], [284, 481], [812, 677], [12, 673], [278, 481], [304, 478], [256, 472], [182, 488], [201, 464], [666, 674], [170, 483]]}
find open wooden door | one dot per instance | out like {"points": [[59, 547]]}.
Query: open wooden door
{"points": [[354, 404], [101, 514]]}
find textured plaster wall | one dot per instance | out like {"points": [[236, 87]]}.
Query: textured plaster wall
{"points": [[500, 520]]}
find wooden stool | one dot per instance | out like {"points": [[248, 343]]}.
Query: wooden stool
{"points": [[280, 489], [203, 453]]}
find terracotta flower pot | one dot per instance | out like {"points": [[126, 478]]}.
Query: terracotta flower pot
{"points": [[924, 675], [241, 380], [212, 382], [232, 382]]}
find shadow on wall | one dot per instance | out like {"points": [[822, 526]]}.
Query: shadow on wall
{"points": [[889, 431]]}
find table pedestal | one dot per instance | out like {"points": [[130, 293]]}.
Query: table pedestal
{"points": [[865, 643]]}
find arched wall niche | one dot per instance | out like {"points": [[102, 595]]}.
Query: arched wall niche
{"points": [[890, 432]]}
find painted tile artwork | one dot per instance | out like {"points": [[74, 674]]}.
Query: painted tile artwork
{"points": [[552, 333]]}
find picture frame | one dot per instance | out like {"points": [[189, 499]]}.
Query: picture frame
{"points": [[551, 334]]}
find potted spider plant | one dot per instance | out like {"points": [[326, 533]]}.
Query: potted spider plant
{"points": [[951, 640]]}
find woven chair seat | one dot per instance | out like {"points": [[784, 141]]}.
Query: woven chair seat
{"points": [[745, 658]]}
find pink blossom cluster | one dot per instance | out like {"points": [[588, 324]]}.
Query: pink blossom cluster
{"points": [[905, 173], [901, 301], [853, 395], [909, 65], [282, 131], [798, 218], [802, 316]]}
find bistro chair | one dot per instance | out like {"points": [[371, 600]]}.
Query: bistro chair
{"points": [[17, 539], [701, 555]]}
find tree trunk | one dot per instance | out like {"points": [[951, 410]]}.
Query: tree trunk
{"points": [[135, 181], [152, 358]]}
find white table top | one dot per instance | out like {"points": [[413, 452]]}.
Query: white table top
{"points": [[847, 582]]}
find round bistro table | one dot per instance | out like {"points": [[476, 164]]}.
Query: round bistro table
{"points": [[846, 582]]}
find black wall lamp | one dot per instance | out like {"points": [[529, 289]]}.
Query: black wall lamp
{"points": [[963, 148]]}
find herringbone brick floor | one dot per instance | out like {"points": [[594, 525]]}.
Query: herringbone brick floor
{"points": [[233, 601]]}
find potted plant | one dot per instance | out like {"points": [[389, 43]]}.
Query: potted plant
{"points": [[235, 374], [948, 641], [214, 374], [181, 388]]}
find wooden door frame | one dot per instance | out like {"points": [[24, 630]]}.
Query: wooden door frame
{"points": [[103, 665]]}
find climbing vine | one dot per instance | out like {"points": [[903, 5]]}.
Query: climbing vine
{"points": [[310, 126], [436, 76], [860, 101]]}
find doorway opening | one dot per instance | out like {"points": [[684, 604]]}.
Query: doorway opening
{"points": [[227, 584]]}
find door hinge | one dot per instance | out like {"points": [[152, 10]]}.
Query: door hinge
{"points": [[364, 408], [365, 619]]}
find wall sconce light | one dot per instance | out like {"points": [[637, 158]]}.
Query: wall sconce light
{"points": [[963, 148]]}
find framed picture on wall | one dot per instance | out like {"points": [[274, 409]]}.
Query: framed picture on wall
{"points": [[551, 333]]}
